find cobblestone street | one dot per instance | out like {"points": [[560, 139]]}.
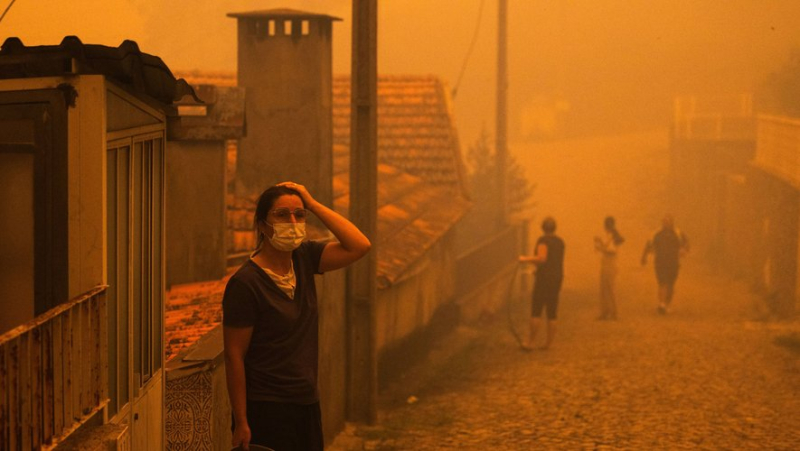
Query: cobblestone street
{"points": [[713, 374]]}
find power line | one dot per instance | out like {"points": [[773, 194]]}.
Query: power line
{"points": [[469, 51], [7, 8]]}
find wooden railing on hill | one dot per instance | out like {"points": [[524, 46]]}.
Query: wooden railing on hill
{"points": [[778, 147], [53, 373]]}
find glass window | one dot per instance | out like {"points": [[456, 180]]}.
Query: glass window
{"points": [[135, 264], [158, 253], [119, 273], [137, 260], [124, 268], [111, 294]]}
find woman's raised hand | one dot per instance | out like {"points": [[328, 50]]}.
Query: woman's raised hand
{"points": [[304, 194]]}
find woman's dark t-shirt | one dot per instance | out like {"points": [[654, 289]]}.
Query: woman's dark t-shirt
{"points": [[281, 362], [554, 266]]}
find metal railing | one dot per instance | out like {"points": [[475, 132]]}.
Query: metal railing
{"points": [[53, 373]]}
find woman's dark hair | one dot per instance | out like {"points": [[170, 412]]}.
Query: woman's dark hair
{"points": [[264, 204], [610, 224], [549, 225]]}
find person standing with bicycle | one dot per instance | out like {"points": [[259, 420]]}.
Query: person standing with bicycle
{"points": [[548, 257]]}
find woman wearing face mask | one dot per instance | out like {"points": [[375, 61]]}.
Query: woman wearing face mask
{"points": [[270, 321]]}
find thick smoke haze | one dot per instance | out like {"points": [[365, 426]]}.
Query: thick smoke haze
{"points": [[611, 64]]}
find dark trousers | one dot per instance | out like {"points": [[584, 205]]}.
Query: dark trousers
{"points": [[285, 427], [545, 295]]}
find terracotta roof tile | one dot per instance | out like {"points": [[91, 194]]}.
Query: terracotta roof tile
{"points": [[415, 127], [412, 214]]}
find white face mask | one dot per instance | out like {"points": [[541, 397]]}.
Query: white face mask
{"points": [[288, 235]]}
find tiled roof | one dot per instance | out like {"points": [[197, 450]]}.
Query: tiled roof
{"points": [[191, 311], [415, 127], [412, 215]]}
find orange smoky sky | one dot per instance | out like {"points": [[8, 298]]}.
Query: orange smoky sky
{"points": [[617, 64]]}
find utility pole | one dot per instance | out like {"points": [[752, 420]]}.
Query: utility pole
{"points": [[501, 128], [362, 365]]}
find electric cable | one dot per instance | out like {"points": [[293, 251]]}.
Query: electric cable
{"points": [[6, 11], [469, 50]]}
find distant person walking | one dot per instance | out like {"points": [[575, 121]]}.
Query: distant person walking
{"points": [[607, 246], [548, 257], [668, 245]]}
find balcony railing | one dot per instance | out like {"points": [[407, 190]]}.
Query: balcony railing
{"points": [[53, 373], [715, 127], [778, 147]]}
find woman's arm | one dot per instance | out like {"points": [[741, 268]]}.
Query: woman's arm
{"points": [[351, 245], [606, 246], [237, 340], [539, 258]]}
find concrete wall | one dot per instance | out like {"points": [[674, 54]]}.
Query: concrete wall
{"points": [[289, 95], [410, 303], [195, 216], [332, 351], [485, 272], [87, 202], [780, 240], [740, 226], [490, 297]]}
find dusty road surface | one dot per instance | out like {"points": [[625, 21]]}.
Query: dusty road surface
{"points": [[706, 376]]}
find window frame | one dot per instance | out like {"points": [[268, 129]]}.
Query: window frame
{"points": [[144, 261]]}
